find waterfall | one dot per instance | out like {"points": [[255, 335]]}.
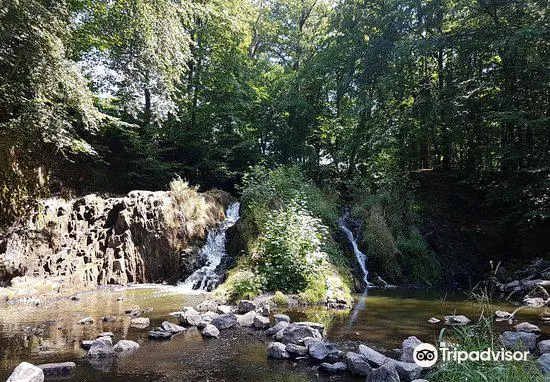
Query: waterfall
{"points": [[360, 256], [207, 277]]}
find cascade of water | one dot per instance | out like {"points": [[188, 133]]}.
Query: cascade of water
{"points": [[207, 278], [360, 256]]}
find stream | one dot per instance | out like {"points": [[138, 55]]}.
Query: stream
{"points": [[50, 333]]}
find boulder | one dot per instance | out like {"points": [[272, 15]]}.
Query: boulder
{"points": [[321, 350], [207, 305], [408, 347], [172, 328], [308, 341], [527, 328], [296, 350], [277, 350], [159, 335], [457, 320], [101, 348], [277, 327], [281, 318], [246, 306], [247, 319], [86, 321], [261, 322], [210, 331], [189, 310], [125, 346], [296, 334], [190, 318], [58, 369], [314, 325], [518, 340], [407, 371], [223, 309], [358, 365], [225, 321], [26, 372], [333, 368], [544, 363], [140, 322], [374, 358], [544, 346], [384, 373]]}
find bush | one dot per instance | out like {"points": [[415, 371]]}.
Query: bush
{"points": [[280, 299]]}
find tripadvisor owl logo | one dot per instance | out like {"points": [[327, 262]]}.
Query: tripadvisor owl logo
{"points": [[425, 355]]}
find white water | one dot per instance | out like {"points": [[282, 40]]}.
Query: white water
{"points": [[360, 256], [206, 278]]}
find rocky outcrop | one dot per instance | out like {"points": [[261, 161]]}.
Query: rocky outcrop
{"points": [[95, 241]]}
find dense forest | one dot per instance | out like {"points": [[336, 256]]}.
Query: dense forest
{"points": [[109, 96]]}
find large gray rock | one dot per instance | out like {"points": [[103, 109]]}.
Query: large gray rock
{"points": [[457, 320], [333, 368], [223, 309], [190, 318], [26, 372], [544, 346], [101, 348], [544, 363], [225, 321], [277, 327], [408, 347], [281, 318], [247, 319], [296, 350], [358, 365], [384, 373], [314, 325], [374, 358], [58, 369], [295, 334], [261, 322], [246, 306], [407, 371], [210, 331], [277, 350], [527, 327], [172, 328], [207, 305], [126, 346], [519, 340], [321, 351], [159, 335]]}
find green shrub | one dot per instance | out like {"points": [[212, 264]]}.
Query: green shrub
{"points": [[246, 285], [280, 299]]}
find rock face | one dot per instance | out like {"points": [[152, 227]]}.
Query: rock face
{"points": [[26, 372], [93, 240]]}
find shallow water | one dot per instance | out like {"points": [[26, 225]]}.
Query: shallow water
{"points": [[49, 333]]}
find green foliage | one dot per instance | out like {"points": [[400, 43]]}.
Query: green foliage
{"points": [[280, 299], [245, 285], [420, 264]]}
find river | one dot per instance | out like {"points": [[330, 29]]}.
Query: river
{"points": [[50, 333]]}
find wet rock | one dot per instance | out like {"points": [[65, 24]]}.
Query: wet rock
{"points": [[333, 368], [277, 350], [108, 319], [247, 319], [101, 348], [86, 321], [544, 346], [544, 363], [210, 331], [261, 322], [358, 365], [140, 322], [433, 320], [246, 306], [58, 369], [296, 334], [225, 321], [384, 373], [457, 320], [172, 328], [314, 325], [281, 318], [296, 350], [159, 335], [106, 334], [277, 327], [372, 356], [408, 347], [223, 309], [126, 346], [518, 340], [26, 372], [527, 328]]}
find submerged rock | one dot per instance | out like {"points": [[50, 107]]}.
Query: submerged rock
{"points": [[277, 350], [58, 369], [159, 335], [26, 372]]}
